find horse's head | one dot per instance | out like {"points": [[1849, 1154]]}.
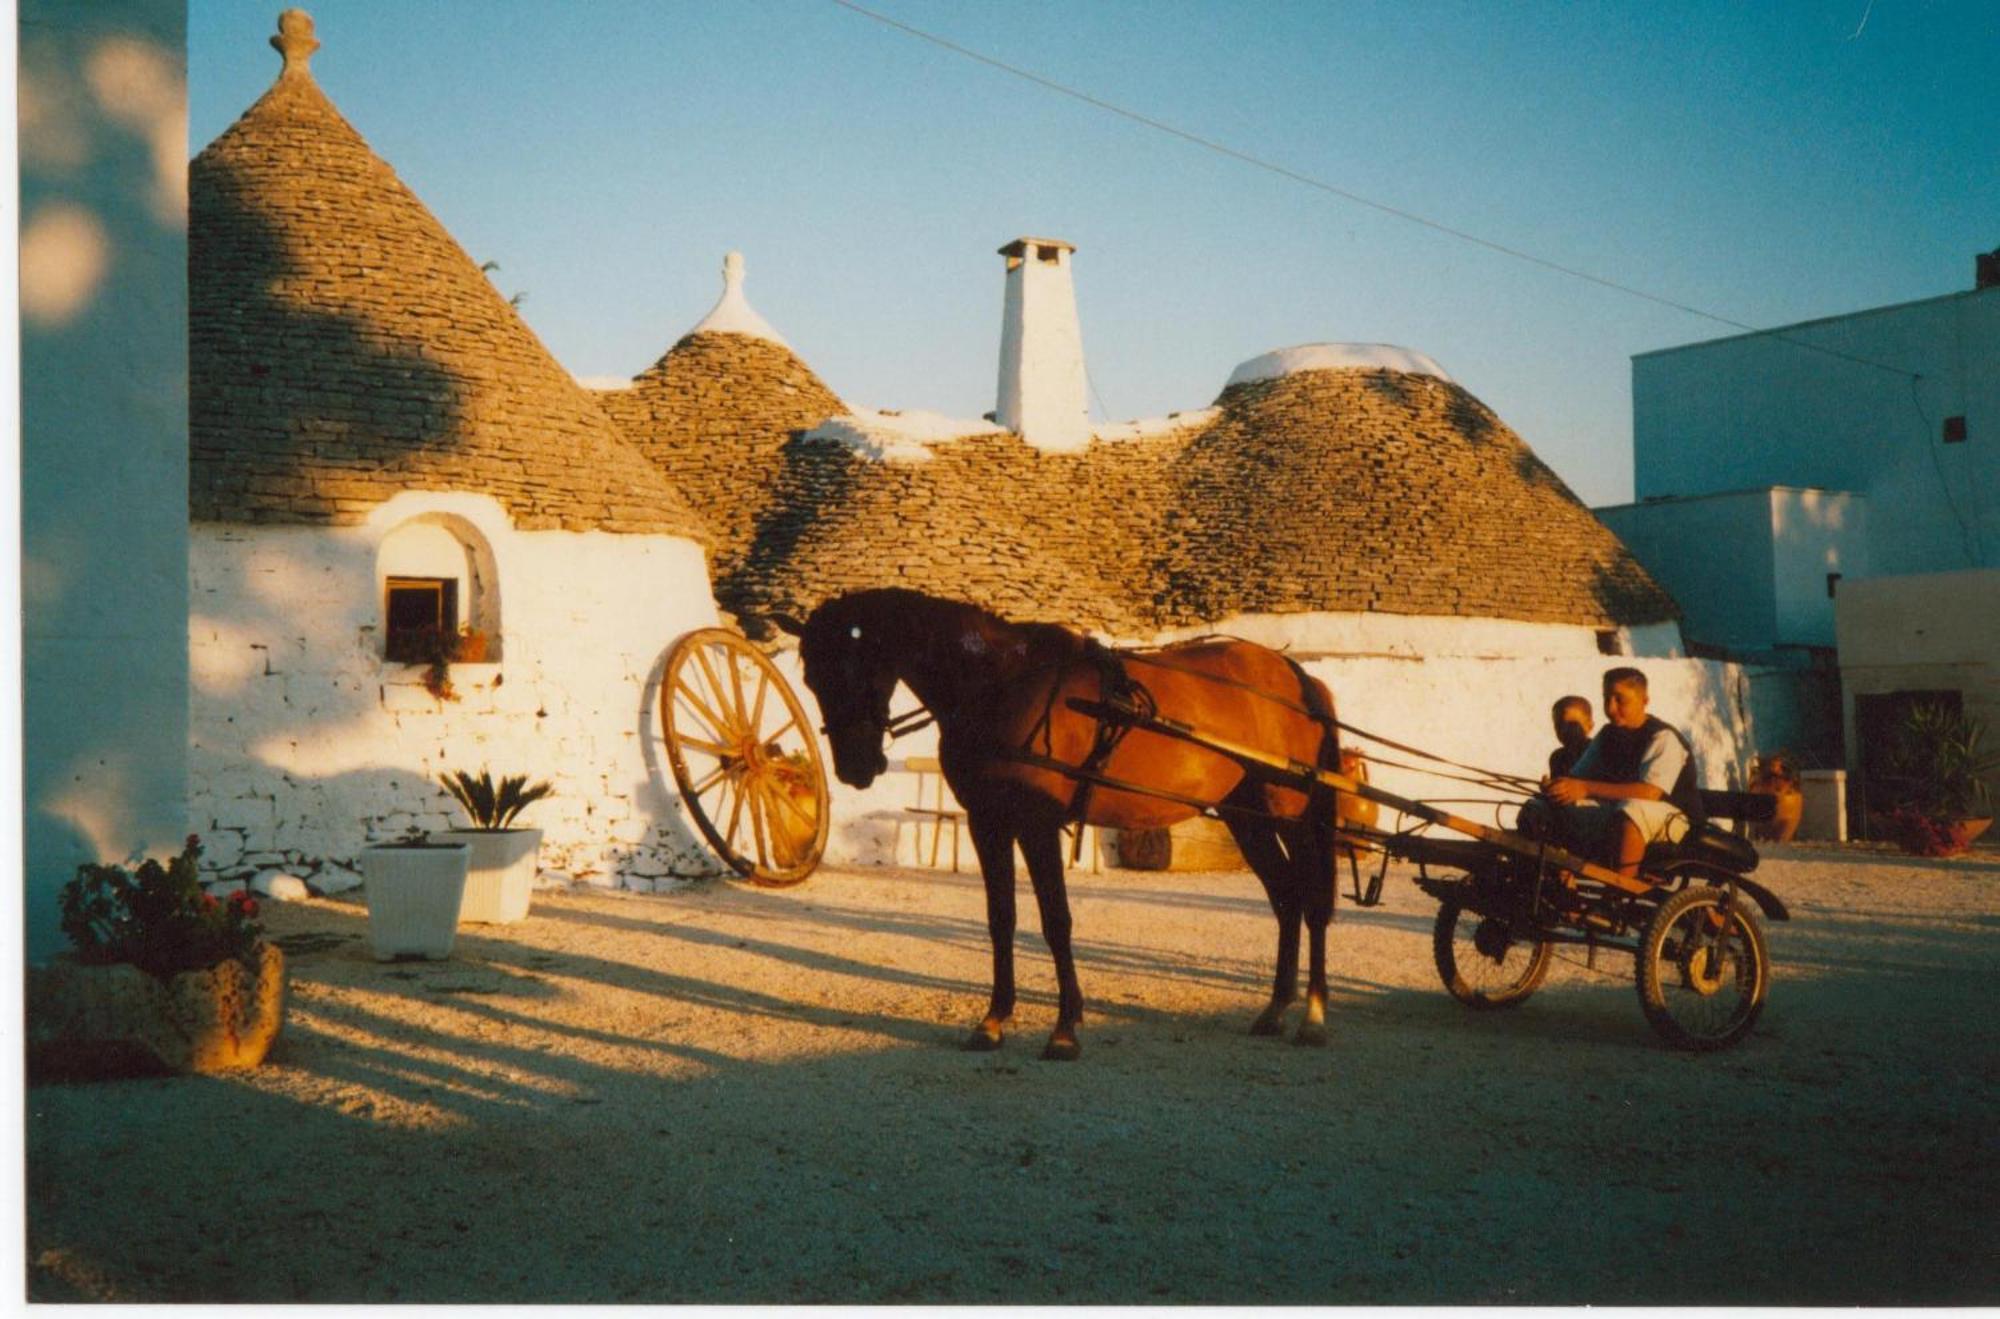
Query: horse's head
{"points": [[851, 667]]}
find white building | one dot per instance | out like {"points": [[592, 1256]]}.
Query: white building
{"points": [[1766, 464], [1831, 484], [382, 455], [104, 534]]}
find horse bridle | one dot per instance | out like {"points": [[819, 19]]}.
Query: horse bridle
{"points": [[894, 726]]}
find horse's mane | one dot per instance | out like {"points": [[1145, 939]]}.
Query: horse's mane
{"points": [[1041, 637]]}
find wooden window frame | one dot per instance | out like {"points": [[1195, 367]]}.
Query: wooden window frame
{"points": [[401, 643]]}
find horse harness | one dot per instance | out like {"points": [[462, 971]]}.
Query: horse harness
{"points": [[1125, 695]]}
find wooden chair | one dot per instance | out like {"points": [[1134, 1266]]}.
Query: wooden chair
{"points": [[935, 811], [926, 768]]}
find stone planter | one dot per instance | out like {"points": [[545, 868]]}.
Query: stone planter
{"points": [[500, 882], [414, 891], [116, 1020]]}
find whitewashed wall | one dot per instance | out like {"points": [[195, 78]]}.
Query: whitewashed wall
{"points": [[1475, 690], [1766, 409], [306, 744], [103, 493]]}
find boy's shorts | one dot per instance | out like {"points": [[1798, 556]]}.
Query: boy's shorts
{"points": [[1594, 825]]}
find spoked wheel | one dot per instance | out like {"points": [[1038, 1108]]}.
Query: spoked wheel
{"points": [[745, 757], [1483, 962], [1703, 969]]}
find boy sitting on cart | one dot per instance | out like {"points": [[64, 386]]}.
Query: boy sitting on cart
{"points": [[1633, 785]]}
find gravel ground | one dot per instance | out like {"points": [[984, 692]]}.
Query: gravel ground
{"points": [[734, 1094]]}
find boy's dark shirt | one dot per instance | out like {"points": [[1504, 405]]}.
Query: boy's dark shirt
{"points": [[1563, 759]]}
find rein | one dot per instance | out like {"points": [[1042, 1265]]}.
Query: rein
{"points": [[1485, 775], [911, 721]]}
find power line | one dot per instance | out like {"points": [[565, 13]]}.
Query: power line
{"points": [[1282, 171]]}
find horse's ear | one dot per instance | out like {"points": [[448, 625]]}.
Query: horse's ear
{"points": [[787, 624]]}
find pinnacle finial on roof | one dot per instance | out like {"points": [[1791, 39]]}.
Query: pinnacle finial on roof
{"points": [[295, 41], [732, 312]]}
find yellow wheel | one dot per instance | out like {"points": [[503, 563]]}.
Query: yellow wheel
{"points": [[745, 756]]}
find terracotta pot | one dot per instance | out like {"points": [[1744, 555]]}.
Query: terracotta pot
{"points": [[1965, 832], [1784, 821], [116, 1020], [500, 879], [414, 891], [1949, 838]]}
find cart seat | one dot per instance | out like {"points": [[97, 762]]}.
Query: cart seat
{"points": [[1711, 846]]}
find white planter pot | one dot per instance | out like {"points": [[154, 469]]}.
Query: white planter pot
{"points": [[502, 879], [413, 898]]}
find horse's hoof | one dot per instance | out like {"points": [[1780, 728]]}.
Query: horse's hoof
{"points": [[1313, 1033], [982, 1040], [1062, 1051], [1271, 1021]]}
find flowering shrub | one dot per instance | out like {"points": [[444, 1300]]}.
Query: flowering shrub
{"points": [[159, 918], [1925, 834]]}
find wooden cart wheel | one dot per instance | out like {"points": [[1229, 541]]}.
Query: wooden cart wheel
{"points": [[745, 757]]}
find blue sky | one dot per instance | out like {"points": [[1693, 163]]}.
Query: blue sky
{"points": [[1762, 161]]}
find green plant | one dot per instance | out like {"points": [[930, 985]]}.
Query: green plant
{"points": [[490, 807], [1936, 766], [158, 918]]}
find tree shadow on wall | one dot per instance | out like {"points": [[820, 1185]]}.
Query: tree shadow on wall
{"points": [[290, 402]]}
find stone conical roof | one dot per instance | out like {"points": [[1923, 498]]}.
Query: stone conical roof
{"points": [[344, 349], [715, 412], [1354, 489], [1390, 491]]}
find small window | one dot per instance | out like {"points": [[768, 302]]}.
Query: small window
{"points": [[1954, 430], [1047, 254], [1832, 585], [419, 609], [1607, 642]]}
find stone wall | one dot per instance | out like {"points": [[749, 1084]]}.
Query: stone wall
{"points": [[307, 744]]}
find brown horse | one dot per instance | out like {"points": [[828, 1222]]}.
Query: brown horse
{"points": [[1000, 693]]}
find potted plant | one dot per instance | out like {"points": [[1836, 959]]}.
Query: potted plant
{"points": [[414, 888], [162, 976], [1935, 771], [505, 859]]}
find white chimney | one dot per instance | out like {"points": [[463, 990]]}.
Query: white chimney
{"points": [[1042, 387]]}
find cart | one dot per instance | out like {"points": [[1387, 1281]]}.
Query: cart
{"points": [[744, 757], [1507, 900]]}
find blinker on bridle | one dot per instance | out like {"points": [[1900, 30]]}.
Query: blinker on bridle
{"points": [[897, 725]]}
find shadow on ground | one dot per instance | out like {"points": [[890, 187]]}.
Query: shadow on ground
{"points": [[738, 1095]]}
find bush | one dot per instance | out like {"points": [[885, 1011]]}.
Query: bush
{"points": [[1936, 765]]}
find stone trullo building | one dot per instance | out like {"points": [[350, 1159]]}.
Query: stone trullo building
{"points": [[381, 449], [378, 439], [1348, 501]]}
